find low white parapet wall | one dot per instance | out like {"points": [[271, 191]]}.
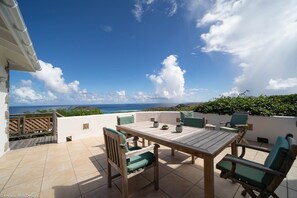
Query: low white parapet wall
{"points": [[73, 127], [263, 127]]}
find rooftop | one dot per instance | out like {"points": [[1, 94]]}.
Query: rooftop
{"points": [[78, 169]]}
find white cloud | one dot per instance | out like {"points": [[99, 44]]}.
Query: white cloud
{"points": [[282, 84], [54, 80], [122, 93], [143, 6], [106, 28], [139, 8], [51, 96], [259, 34], [55, 88], [169, 82], [74, 86], [26, 95], [26, 83], [173, 8], [233, 92]]}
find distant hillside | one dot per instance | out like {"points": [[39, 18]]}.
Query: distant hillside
{"points": [[179, 107]]}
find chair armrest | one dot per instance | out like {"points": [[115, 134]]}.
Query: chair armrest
{"points": [[141, 151], [251, 147], [223, 123], [241, 125], [131, 139], [254, 147], [251, 164], [227, 123]]}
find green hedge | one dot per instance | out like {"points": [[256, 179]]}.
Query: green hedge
{"points": [[283, 105], [77, 111]]}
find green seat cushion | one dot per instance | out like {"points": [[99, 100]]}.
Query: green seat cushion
{"points": [[194, 122], [277, 156], [229, 129], [140, 161], [134, 148], [244, 173], [125, 120]]}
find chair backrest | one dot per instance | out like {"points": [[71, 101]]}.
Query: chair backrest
{"points": [[125, 120], [194, 122], [239, 118], [186, 114], [115, 142], [280, 158]]}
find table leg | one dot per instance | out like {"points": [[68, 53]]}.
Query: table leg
{"points": [[208, 177], [234, 150]]}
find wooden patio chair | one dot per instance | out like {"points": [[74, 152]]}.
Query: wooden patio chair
{"points": [[128, 120], [261, 178], [238, 124], [128, 162]]}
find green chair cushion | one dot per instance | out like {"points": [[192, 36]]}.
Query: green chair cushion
{"points": [[134, 148], [239, 118], [185, 114], [228, 129], [276, 156], [194, 122], [125, 120], [120, 134], [140, 161], [244, 173]]}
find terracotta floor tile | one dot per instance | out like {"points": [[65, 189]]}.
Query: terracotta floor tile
{"points": [[22, 175], [223, 188], [174, 185], [86, 169], [194, 192], [189, 173], [64, 178], [29, 188], [104, 192], [149, 174], [150, 192], [92, 181], [78, 169], [135, 183], [52, 168], [61, 191]]}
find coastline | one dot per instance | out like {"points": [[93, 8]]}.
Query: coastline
{"points": [[105, 108]]}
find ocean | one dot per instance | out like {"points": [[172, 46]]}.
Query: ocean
{"points": [[105, 108]]}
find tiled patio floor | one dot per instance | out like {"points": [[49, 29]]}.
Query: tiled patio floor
{"points": [[78, 169]]}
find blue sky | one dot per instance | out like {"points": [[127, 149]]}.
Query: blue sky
{"points": [[115, 51]]}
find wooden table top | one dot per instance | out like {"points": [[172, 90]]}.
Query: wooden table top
{"points": [[197, 141]]}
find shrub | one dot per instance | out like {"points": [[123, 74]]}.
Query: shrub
{"points": [[282, 105]]}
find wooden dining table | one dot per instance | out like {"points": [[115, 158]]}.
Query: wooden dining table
{"points": [[200, 142]]}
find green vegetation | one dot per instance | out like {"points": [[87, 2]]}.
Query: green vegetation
{"points": [[282, 105], [77, 111], [180, 107]]}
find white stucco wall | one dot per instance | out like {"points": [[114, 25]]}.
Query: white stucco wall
{"points": [[265, 127], [3, 109], [73, 126]]}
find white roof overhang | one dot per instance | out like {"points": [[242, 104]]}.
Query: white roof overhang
{"points": [[15, 41]]}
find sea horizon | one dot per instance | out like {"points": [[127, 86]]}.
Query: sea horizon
{"points": [[105, 108]]}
